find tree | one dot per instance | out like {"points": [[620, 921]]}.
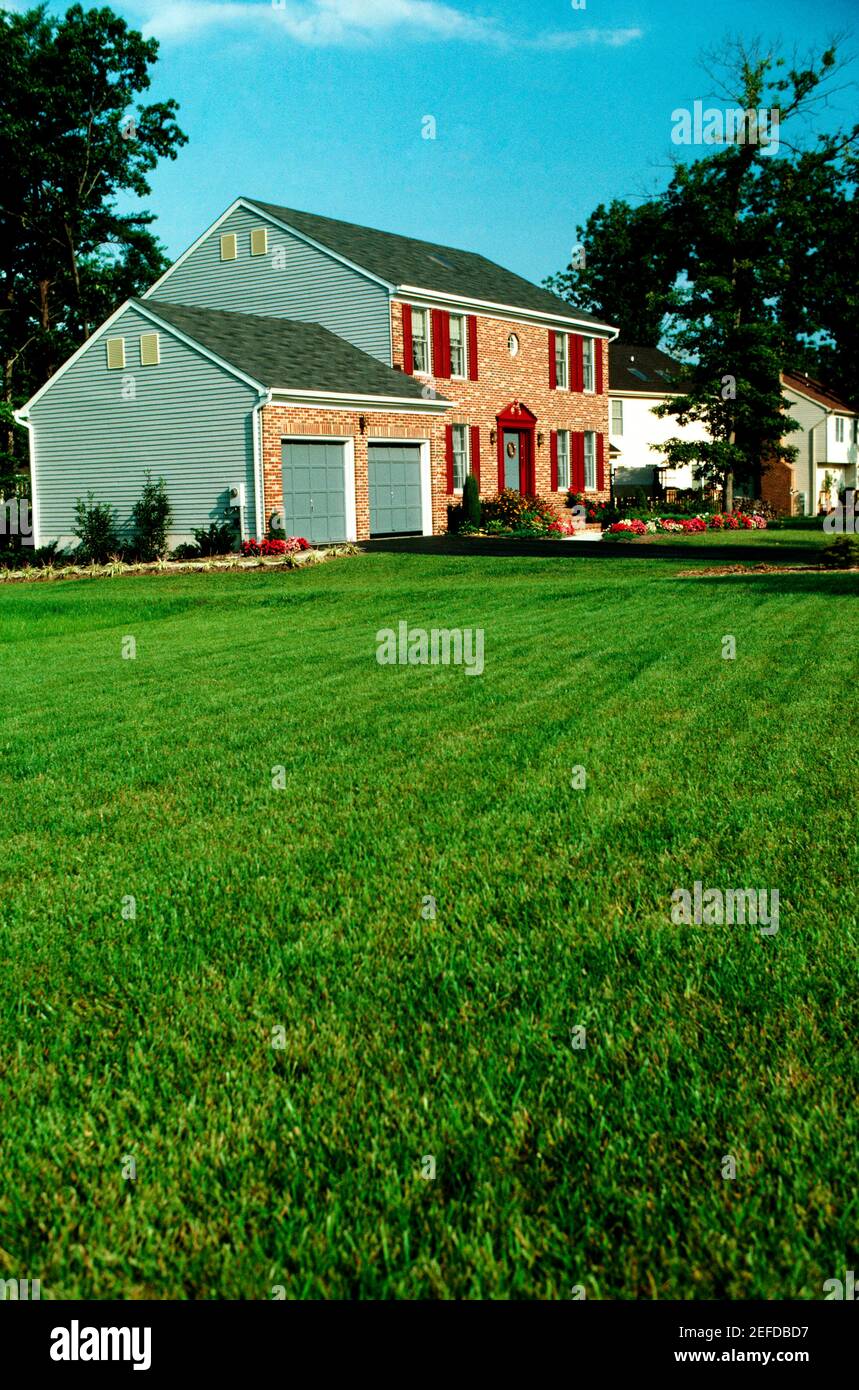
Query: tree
{"points": [[744, 300], [71, 141], [623, 269]]}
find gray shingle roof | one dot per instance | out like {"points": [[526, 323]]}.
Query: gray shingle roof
{"points": [[648, 369], [286, 353], [403, 260]]}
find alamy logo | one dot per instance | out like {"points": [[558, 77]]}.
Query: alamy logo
{"points": [[440, 647], [732, 127], [76, 1343], [713, 907], [841, 1289], [842, 519], [15, 519], [22, 1289]]}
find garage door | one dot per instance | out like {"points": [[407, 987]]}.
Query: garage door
{"points": [[314, 491], [395, 488]]}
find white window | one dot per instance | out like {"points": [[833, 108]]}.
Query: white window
{"points": [[150, 351], [116, 353], [563, 460], [587, 364], [420, 340], [259, 241], [460, 456], [561, 361], [590, 461], [229, 246], [617, 417], [839, 429], [457, 345]]}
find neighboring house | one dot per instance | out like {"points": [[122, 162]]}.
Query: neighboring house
{"points": [[342, 378], [641, 378], [827, 445]]}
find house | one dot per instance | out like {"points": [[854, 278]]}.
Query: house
{"points": [[342, 379], [827, 444], [639, 379]]}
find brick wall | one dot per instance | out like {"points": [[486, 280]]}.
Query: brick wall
{"points": [[278, 421], [502, 379], [778, 481]]}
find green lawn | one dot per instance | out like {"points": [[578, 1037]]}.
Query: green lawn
{"points": [[300, 909]]}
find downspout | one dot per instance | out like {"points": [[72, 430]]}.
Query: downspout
{"points": [[259, 473], [22, 418]]}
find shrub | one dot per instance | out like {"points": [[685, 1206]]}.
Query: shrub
{"points": [[217, 539], [841, 554], [455, 517], [96, 530], [471, 508], [151, 516], [186, 552], [517, 512]]}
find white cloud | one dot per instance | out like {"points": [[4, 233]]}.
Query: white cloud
{"points": [[337, 22]]}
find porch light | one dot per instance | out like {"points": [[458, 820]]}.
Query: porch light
{"points": [[492, 436], [539, 439], [362, 423]]}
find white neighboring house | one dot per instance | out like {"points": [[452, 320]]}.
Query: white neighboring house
{"points": [[639, 379], [827, 443]]}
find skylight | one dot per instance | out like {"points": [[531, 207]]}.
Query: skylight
{"points": [[636, 371], [440, 260]]}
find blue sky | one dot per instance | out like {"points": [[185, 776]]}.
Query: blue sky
{"points": [[542, 109]]}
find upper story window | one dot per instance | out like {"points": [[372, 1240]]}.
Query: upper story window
{"points": [[116, 353], [562, 379], [259, 241], [460, 456], [513, 345], [420, 340], [590, 461], [587, 364], [617, 417], [563, 459], [839, 429], [457, 345], [150, 350], [229, 246], [856, 431]]}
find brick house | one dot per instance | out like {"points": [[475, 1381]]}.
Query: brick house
{"points": [[340, 379]]}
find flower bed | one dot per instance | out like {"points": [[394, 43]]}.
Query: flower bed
{"points": [[290, 546], [718, 521]]}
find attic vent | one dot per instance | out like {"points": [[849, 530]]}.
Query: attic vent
{"points": [[440, 260], [229, 246], [259, 241], [116, 353], [150, 354]]}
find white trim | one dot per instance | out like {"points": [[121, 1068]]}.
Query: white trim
{"points": [[28, 425], [349, 495], [441, 299], [349, 401], [426, 474]]}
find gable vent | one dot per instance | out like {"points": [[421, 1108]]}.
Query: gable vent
{"points": [[259, 241], [229, 246], [150, 354], [116, 353]]}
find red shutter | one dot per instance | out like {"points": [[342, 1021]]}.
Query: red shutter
{"points": [[408, 359], [577, 365], [475, 454], [553, 379], [471, 321], [577, 446], [598, 369], [553, 456], [448, 454], [600, 462], [440, 334]]}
